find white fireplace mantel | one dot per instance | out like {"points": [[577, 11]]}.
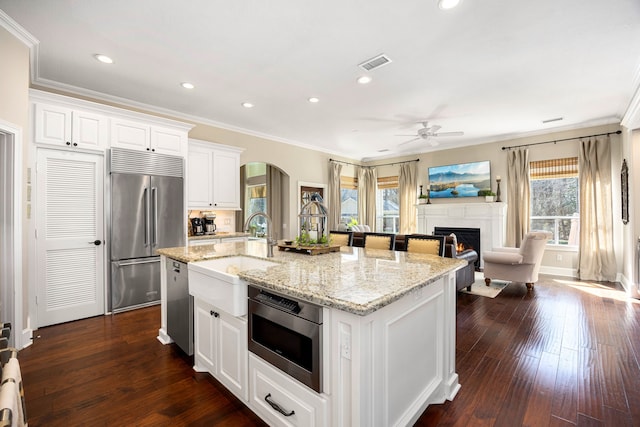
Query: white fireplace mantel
{"points": [[490, 218]]}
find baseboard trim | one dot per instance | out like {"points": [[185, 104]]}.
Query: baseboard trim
{"points": [[559, 271], [26, 339]]}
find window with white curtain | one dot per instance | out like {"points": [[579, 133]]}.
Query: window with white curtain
{"points": [[348, 199], [388, 205], [555, 199]]}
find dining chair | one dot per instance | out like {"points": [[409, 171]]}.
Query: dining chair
{"points": [[379, 240], [341, 238], [425, 243]]}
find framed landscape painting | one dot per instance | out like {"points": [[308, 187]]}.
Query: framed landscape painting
{"points": [[461, 180]]}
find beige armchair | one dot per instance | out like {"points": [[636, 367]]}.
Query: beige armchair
{"points": [[517, 264]]}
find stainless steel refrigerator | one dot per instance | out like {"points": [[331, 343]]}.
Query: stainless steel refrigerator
{"points": [[147, 213]]}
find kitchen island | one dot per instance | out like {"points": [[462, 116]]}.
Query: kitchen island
{"points": [[388, 335]]}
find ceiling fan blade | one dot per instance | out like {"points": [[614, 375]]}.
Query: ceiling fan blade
{"points": [[403, 134], [411, 140], [449, 134], [435, 128]]}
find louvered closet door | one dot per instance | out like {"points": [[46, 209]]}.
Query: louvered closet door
{"points": [[69, 219]]}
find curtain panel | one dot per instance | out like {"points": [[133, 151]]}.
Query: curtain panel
{"points": [[335, 202], [596, 257], [407, 183], [518, 210], [274, 200], [367, 182]]}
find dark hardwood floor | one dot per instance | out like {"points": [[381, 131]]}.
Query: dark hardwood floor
{"points": [[564, 354]]}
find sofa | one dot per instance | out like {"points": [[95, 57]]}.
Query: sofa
{"points": [[464, 277]]}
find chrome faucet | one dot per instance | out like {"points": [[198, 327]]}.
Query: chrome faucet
{"points": [[271, 242]]}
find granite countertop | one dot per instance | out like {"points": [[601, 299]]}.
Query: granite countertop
{"points": [[355, 280], [220, 235]]}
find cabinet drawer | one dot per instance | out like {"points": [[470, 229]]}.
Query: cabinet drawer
{"points": [[308, 407]]}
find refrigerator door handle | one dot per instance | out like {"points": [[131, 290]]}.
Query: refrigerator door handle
{"points": [[136, 261], [146, 216], [154, 233]]}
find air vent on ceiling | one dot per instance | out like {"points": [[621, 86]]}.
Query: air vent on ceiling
{"points": [[375, 62]]}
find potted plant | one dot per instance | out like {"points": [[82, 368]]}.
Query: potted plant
{"points": [[489, 196], [423, 199]]}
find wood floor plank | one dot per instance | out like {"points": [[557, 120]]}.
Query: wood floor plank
{"points": [[565, 394], [538, 411]]}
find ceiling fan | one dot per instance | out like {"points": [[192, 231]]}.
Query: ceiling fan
{"points": [[426, 132]]}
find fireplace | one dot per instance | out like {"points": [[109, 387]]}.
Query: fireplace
{"points": [[468, 238], [490, 218]]}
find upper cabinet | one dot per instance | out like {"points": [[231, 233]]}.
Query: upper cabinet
{"points": [[213, 175], [142, 136], [75, 123], [59, 125]]}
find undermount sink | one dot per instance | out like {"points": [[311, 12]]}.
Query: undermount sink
{"points": [[216, 280]]}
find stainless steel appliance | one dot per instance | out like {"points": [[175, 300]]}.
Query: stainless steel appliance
{"points": [[179, 306], [209, 223], [147, 213], [288, 334]]}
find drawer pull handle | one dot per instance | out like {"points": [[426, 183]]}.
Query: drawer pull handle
{"points": [[277, 407]]}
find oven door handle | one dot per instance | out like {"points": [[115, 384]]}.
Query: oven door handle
{"points": [[277, 407]]}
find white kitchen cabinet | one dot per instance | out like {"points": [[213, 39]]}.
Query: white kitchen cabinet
{"points": [[213, 172], [64, 126], [294, 404], [65, 121], [220, 346], [142, 136]]}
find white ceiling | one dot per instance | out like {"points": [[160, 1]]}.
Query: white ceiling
{"points": [[494, 69]]}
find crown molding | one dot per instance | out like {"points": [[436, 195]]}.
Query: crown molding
{"points": [[631, 119], [25, 37]]}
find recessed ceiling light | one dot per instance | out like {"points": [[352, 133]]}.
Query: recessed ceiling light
{"points": [[247, 105], [363, 80], [103, 58], [313, 99], [187, 85], [448, 4]]}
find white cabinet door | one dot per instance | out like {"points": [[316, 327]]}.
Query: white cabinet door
{"points": [[52, 124], [233, 354], [214, 176], [69, 223], [89, 130], [226, 179], [168, 141], [129, 134], [199, 177], [205, 337]]}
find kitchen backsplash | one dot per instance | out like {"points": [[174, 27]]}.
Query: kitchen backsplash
{"points": [[225, 220]]}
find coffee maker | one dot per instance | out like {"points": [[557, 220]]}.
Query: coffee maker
{"points": [[197, 226], [209, 223]]}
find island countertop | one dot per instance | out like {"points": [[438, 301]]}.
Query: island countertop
{"points": [[355, 280]]}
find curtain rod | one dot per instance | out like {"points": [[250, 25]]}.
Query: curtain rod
{"points": [[618, 132], [374, 166]]}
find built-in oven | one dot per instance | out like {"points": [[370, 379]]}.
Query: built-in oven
{"points": [[287, 333]]}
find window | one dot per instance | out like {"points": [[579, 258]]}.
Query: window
{"points": [[387, 205], [555, 201], [257, 202], [348, 199]]}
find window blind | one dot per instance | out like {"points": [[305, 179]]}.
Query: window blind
{"points": [[554, 168], [349, 182], [388, 182]]}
